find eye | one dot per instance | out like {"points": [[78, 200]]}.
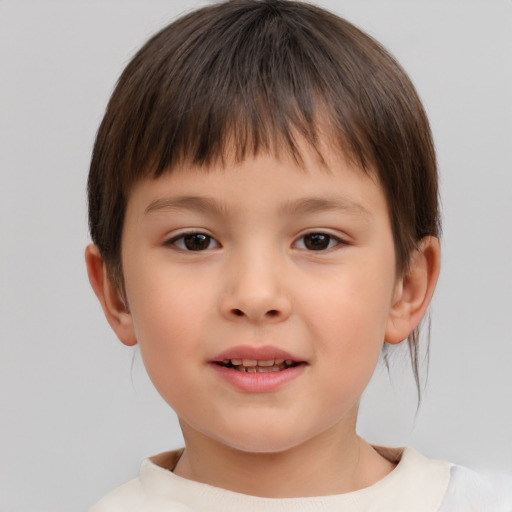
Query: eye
{"points": [[317, 242], [194, 242]]}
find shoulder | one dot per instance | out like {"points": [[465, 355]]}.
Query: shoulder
{"points": [[126, 497], [148, 492], [470, 491], [447, 487]]}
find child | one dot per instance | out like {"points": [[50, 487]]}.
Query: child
{"points": [[263, 204]]}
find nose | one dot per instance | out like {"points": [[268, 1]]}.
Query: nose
{"points": [[255, 291]]}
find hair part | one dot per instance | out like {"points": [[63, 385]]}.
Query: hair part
{"points": [[247, 76]]}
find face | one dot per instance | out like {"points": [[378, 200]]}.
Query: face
{"points": [[259, 294]]}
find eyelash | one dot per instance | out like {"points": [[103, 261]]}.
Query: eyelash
{"points": [[207, 241], [180, 241], [332, 241]]}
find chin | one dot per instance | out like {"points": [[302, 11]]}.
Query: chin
{"points": [[265, 439], [264, 445]]}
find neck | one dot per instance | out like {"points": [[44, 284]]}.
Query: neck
{"points": [[335, 462]]}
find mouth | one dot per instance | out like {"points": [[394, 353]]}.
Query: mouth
{"points": [[257, 365], [262, 369]]}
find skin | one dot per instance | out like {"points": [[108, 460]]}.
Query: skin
{"points": [[258, 283]]}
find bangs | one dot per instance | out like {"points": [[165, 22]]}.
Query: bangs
{"points": [[211, 87]]}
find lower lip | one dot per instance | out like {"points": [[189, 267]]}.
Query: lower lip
{"points": [[264, 382]]}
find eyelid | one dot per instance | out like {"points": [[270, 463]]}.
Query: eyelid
{"points": [[171, 241]]}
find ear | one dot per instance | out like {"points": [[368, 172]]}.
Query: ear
{"points": [[414, 290], [110, 297]]}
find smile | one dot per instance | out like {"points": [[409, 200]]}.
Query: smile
{"points": [[258, 366], [262, 369]]}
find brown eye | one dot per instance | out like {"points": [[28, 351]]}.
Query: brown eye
{"points": [[194, 242], [317, 242]]}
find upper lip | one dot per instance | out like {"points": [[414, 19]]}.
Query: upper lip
{"points": [[263, 353]]}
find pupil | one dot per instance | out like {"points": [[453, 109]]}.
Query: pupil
{"points": [[197, 242], [317, 241]]}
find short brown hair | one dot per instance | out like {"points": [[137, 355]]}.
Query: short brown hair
{"points": [[245, 76]]}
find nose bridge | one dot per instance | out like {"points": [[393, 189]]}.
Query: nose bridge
{"points": [[256, 285]]}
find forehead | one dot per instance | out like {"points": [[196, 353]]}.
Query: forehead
{"points": [[320, 179]]}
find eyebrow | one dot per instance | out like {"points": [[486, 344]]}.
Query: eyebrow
{"points": [[294, 207], [202, 204], [316, 204]]}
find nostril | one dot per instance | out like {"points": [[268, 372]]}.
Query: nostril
{"points": [[270, 314]]}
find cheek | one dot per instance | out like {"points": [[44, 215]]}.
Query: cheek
{"points": [[350, 319], [169, 315], [163, 298], [356, 303], [169, 340]]}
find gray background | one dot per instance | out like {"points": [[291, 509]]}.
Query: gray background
{"points": [[77, 412]]}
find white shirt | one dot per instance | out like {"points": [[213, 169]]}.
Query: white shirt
{"points": [[417, 484]]}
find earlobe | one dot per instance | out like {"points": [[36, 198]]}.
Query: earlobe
{"points": [[414, 290], [110, 297]]}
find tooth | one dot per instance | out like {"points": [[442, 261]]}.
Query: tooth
{"points": [[241, 369], [250, 362], [289, 362], [270, 362], [266, 369], [226, 361], [278, 361], [251, 369], [236, 362]]}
